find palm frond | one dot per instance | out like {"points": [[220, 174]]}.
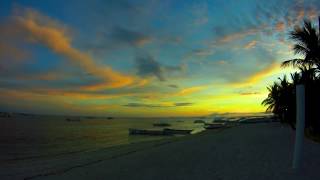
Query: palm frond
{"points": [[292, 62]]}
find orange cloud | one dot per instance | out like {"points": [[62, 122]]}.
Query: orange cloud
{"points": [[313, 14], [250, 45], [238, 35], [36, 28], [190, 90], [56, 94], [259, 75], [280, 26], [300, 15]]}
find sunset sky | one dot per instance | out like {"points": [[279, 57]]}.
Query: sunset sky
{"points": [[144, 58]]}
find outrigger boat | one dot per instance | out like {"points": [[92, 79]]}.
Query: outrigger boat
{"points": [[161, 124], [177, 131], [147, 132], [163, 132], [214, 125]]}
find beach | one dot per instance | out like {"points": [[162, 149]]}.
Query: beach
{"points": [[250, 151]]}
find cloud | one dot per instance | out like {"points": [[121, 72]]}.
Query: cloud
{"points": [[202, 52], [201, 13], [10, 52], [45, 93], [183, 104], [190, 90], [131, 37], [258, 76], [145, 105], [173, 86], [237, 35], [280, 26], [35, 28], [250, 45], [147, 66], [248, 93], [163, 105]]}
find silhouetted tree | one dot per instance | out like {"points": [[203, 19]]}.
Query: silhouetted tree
{"points": [[306, 44], [281, 99]]}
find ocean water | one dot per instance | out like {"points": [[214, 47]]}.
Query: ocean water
{"points": [[34, 136], [27, 137]]}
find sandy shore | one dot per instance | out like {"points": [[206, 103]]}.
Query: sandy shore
{"points": [[252, 151]]}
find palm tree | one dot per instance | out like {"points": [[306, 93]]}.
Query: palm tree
{"points": [[281, 101], [272, 101], [307, 44]]}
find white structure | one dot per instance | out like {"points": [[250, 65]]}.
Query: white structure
{"points": [[300, 95]]}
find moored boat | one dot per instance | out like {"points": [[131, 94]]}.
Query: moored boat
{"points": [[214, 125], [161, 124], [147, 132], [177, 131], [199, 121]]}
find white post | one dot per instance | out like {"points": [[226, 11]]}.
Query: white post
{"points": [[300, 97]]}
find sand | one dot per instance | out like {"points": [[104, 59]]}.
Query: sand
{"points": [[251, 151]]}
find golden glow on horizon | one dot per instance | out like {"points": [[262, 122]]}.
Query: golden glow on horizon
{"points": [[112, 91]]}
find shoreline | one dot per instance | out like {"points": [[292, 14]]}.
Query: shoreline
{"points": [[246, 151], [92, 156]]}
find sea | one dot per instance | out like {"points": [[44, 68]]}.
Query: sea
{"points": [[27, 136]]}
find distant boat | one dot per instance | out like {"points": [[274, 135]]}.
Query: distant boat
{"points": [[199, 121], [214, 125], [257, 120], [5, 114], [147, 132], [73, 119], [161, 124], [109, 118], [177, 131], [163, 132]]}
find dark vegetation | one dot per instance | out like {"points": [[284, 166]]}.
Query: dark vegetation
{"points": [[281, 99]]}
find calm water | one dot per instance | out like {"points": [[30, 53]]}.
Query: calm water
{"points": [[24, 137]]}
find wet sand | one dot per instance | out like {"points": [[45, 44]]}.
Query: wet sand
{"points": [[251, 151]]}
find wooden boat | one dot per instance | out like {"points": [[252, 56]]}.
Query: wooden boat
{"points": [[256, 120], [177, 131], [161, 124], [199, 121], [147, 132], [214, 125], [73, 119]]}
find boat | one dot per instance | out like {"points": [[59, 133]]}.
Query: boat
{"points": [[255, 120], [5, 114], [214, 125], [199, 121], [73, 119], [161, 124], [177, 131], [147, 132]]}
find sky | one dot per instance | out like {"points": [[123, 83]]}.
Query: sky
{"points": [[144, 58]]}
